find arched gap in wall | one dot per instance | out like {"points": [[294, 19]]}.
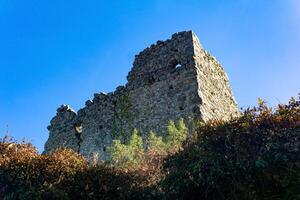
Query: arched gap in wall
{"points": [[78, 131], [175, 64], [178, 66], [78, 127]]}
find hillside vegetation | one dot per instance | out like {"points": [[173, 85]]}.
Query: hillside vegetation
{"points": [[254, 156]]}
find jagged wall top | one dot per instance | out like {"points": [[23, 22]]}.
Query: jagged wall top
{"points": [[169, 80], [156, 61]]}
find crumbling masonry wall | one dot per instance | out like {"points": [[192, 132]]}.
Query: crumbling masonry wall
{"points": [[170, 80]]}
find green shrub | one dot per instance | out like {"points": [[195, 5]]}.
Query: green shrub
{"points": [[133, 155], [156, 143], [176, 135], [136, 148], [119, 154], [127, 156]]}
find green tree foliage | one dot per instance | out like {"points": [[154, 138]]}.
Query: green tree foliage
{"points": [[130, 155], [156, 143], [176, 135], [119, 154], [136, 148]]}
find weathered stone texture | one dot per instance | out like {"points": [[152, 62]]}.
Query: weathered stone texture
{"points": [[169, 80], [61, 130], [213, 87]]}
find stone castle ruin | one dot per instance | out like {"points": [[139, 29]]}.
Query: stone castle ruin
{"points": [[170, 80]]}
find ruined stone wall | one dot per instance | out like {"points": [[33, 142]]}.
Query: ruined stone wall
{"points": [[169, 80], [61, 130], [163, 84], [213, 88]]}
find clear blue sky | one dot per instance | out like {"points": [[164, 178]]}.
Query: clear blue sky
{"points": [[54, 52]]}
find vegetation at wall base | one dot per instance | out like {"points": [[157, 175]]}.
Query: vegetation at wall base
{"points": [[254, 156]]}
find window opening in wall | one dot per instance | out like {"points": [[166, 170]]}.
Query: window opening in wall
{"points": [[78, 131], [177, 66], [78, 128]]}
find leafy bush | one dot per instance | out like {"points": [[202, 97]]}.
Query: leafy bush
{"points": [[23, 172], [176, 135], [63, 174], [126, 156], [156, 143], [136, 148], [133, 155], [255, 156]]}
